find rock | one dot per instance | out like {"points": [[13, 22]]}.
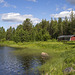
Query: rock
{"points": [[46, 73], [68, 70], [43, 54]]}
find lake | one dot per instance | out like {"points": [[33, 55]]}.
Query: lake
{"points": [[11, 64]]}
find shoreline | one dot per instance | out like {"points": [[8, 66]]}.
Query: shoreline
{"points": [[59, 51]]}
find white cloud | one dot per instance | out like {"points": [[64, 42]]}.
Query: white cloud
{"points": [[32, 0], [62, 14], [70, 9], [71, 1], [5, 4], [1, 1], [16, 17], [8, 5]]}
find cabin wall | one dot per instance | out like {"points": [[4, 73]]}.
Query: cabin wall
{"points": [[64, 39], [72, 38]]}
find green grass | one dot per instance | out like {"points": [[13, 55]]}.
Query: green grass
{"points": [[62, 54]]}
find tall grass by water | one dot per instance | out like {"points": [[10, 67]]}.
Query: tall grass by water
{"points": [[61, 54]]}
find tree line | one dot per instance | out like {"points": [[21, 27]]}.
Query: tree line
{"points": [[42, 31]]}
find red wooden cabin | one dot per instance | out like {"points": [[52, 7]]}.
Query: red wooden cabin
{"points": [[66, 38]]}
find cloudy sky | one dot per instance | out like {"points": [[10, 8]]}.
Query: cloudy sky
{"points": [[14, 12]]}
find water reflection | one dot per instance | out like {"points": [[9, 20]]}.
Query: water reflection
{"points": [[17, 65], [29, 64]]}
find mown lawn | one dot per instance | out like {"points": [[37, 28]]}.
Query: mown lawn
{"points": [[62, 54]]}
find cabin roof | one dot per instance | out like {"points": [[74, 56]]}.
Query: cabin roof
{"points": [[66, 36]]}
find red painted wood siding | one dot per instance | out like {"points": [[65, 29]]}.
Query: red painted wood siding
{"points": [[72, 38]]}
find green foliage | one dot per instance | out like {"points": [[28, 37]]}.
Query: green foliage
{"points": [[27, 25], [61, 55], [10, 33], [2, 33], [2, 40], [46, 36], [42, 31]]}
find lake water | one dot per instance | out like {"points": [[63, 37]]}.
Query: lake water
{"points": [[11, 64]]}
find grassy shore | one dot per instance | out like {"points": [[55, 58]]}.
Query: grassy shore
{"points": [[62, 54]]}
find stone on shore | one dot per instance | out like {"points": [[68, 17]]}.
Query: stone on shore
{"points": [[43, 54]]}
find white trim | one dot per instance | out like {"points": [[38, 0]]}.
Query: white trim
{"points": [[70, 38]]}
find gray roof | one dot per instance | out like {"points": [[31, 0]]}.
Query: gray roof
{"points": [[66, 36]]}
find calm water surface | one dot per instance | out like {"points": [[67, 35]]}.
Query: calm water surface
{"points": [[17, 65]]}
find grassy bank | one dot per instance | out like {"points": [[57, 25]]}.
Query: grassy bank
{"points": [[62, 54]]}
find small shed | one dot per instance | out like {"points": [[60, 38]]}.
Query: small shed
{"points": [[66, 38]]}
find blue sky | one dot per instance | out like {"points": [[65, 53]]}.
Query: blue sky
{"points": [[14, 12]]}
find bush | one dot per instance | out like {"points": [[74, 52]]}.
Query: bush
{"points": [[2, 40]]}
